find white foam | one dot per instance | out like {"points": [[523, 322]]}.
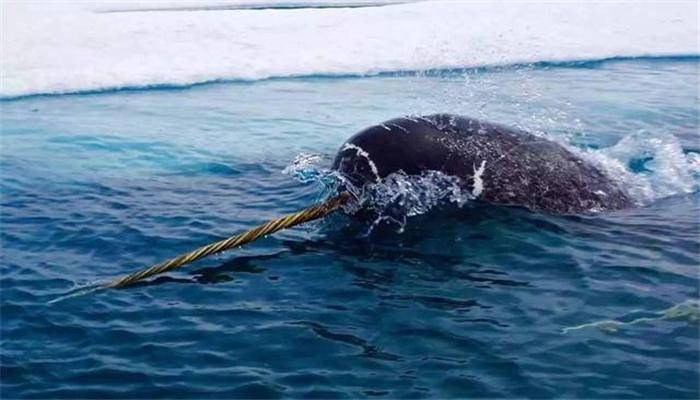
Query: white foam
{"points": [[74, 46], [670, 171], [478, 180], [399, 196]]}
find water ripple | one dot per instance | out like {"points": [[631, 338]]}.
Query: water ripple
{"points": [[465, 302]]}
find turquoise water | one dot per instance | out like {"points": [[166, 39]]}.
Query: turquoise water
{"points": [[477, 302]]}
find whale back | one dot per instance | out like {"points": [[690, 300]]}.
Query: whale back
{"points": [[497, 164]]}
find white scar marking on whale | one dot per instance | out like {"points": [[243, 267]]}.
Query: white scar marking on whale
{"points": [[362, 153], [478, 181], [400, 127]]}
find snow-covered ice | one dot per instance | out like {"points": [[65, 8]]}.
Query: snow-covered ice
{"points": [[76, 46]]}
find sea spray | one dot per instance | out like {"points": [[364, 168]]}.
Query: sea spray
{"points": [[393, 199], [649, 166]]}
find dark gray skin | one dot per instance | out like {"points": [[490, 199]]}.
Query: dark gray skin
{"points": [[519, 169]]}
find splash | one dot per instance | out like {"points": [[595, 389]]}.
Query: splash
{"points": [[649, 166], [399, 196], [391, 200], [688, 310], [305, 168]]}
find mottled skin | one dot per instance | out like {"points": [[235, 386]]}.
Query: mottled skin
{"points": [[519, 169]]}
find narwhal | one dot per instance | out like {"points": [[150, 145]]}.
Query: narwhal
{"points": [[497, 164]]}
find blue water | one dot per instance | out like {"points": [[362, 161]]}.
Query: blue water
{"points": [[477, 302]]}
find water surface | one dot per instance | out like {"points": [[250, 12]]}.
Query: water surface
{"points": [[478, 302]]}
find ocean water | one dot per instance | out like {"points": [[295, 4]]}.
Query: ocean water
{"points": [[475, 301]]}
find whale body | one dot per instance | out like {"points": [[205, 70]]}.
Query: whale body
{"points": [[495, 163]]}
